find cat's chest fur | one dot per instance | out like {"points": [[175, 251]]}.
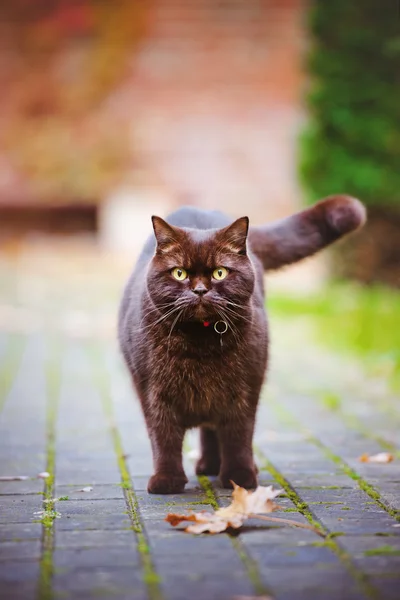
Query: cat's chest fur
{"points": [[203, 382]]}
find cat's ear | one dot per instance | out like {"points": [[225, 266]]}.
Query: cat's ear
{"points": [[234, 237], [167, 236]]}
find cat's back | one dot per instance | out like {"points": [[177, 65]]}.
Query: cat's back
{"points": [[187, 217], [198, 218]]}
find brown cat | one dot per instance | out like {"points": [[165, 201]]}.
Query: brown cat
{"points": [[193, 330]]}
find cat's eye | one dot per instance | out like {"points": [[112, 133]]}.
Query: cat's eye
{"points": [[179, 274], [220, 273]]}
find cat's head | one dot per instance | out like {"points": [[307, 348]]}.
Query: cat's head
{"points": [[201, 275]]}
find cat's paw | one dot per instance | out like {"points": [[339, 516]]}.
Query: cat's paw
{"points": [[246, 478], [208, 466], [161, 483]]}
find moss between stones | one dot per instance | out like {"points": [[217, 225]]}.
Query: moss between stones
{"points": [[383, 551], [366, 487], [150, 576], [249, 564], [329, 541], [287, 417], [53, 380]]}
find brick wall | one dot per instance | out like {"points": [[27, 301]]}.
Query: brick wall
{"points": [[214, 97], [206, 101]]}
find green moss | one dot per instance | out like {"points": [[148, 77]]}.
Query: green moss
{"points": [[345, 508], [151, 579], [331, 401], [290, 510], [383, 551], [126, 485], [208, 490], [322, 544], [335, 534], [63, 498], [204, 502], [48, 518]]}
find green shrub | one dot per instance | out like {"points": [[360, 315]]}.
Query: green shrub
{"points": [[352, 140]]}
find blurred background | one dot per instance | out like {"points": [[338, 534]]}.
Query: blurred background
{"points": [[113, 111]]}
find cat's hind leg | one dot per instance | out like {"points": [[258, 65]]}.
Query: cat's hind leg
{"points": [[209, 462], [237, 462]]}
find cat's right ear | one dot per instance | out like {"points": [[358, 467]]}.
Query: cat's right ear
{"points": [[167, 236]]}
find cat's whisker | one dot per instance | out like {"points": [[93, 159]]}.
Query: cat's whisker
{"points": [[236, 315], [173, 325], [162, 318]]}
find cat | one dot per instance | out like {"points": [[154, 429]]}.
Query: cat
{"points": [[193, 330]]}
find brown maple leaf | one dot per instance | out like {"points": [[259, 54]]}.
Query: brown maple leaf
{"points": [[244, 505]]}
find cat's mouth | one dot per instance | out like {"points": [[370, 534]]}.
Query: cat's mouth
{"points": [[200, 310]]}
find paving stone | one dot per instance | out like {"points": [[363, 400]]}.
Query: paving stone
{"points": [[99, 492], [378, 565], [93, 558], [107, 582], [92, 514], [219, 572], [20, 531], [20, 550], [95, 547], [17, 572], [21, 590], [92, 539], [29, 486], [320, 580], [20, 509], [388, 585], [22, 431]]}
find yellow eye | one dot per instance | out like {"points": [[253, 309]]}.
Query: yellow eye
{"points": [[179, 274], [220, 273]]}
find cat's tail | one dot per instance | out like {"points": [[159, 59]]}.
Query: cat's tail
{"points": [[287, 241]]}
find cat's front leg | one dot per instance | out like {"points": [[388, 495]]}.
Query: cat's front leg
{"points": [[166, 441], [237, 462]]}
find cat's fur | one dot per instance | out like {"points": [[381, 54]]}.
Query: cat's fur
{"points": [[183, 375]]}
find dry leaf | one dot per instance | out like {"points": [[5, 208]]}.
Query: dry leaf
{"points": [[85, 489], [14, 477], [381, 457], [245, 505]]}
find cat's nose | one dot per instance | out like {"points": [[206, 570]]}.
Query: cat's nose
{"points": [[200, 289]]}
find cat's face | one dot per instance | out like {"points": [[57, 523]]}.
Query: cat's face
{"points": [[201, 275]]}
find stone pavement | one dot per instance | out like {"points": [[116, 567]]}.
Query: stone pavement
{"points": [[66, 407]]}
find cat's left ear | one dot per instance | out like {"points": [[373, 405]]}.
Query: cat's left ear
{"points": [[167, 236], [234, 236]]}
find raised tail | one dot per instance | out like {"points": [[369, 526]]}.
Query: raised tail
{"points": [[303, 234]]}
